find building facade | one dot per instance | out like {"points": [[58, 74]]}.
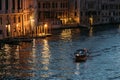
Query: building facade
{"points": [[74, 11], [15, 17], [52, 9], [101, 11], [66, 11]]}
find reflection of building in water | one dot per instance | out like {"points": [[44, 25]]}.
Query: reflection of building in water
{"points": [[26, 60], [66, 34], [9, 60], [45, 58], [17, 60], [91, 32]]}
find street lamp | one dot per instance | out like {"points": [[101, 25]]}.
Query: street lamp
{"points": [[32, 25], [45, 28], [91, 21], [91, 28], [8, 30]]}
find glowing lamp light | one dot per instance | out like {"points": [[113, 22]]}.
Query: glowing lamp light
{"points": [[8, 27], [91, 20], [17, 25], [45, 25]]}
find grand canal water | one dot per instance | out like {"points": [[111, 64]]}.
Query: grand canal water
{"points": [[52, 58]]}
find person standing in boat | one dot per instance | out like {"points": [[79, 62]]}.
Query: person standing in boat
{"points": [[86, 52]]}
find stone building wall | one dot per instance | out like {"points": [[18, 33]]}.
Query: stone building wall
{"points": [[14, 17]]}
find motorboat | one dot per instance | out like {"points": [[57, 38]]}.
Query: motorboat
{"points": [[81, 55]]}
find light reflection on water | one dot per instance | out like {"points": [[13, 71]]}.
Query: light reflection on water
{"points": [[77, 72], [66, 34], [16, 61], [45, 58], [52, 58]]}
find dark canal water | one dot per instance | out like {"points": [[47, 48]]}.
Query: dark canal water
{"points": [[52, 58]]}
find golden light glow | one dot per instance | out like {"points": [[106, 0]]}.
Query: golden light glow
{"points": [[70, 18], [65, 20], [32, 25], [32, 20], [17, 25], [45, 54], [66, 34], [45, 58], [46, 50], [8, 27], [91, 20], [91, 32], [45, 25], [46, 28]]}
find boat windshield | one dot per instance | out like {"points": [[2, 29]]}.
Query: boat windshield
{"points": [[80, 52]]}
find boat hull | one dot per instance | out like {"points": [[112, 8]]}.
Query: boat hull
{"points": [[81, 58]]}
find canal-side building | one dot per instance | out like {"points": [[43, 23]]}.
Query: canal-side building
{"points": [[58, 11], [53, 11], [74, 11], [100, 11], [15, 17]]}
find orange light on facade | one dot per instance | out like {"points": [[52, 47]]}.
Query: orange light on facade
{"points": [[32, 20], [17, 25], [32, 25]]}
